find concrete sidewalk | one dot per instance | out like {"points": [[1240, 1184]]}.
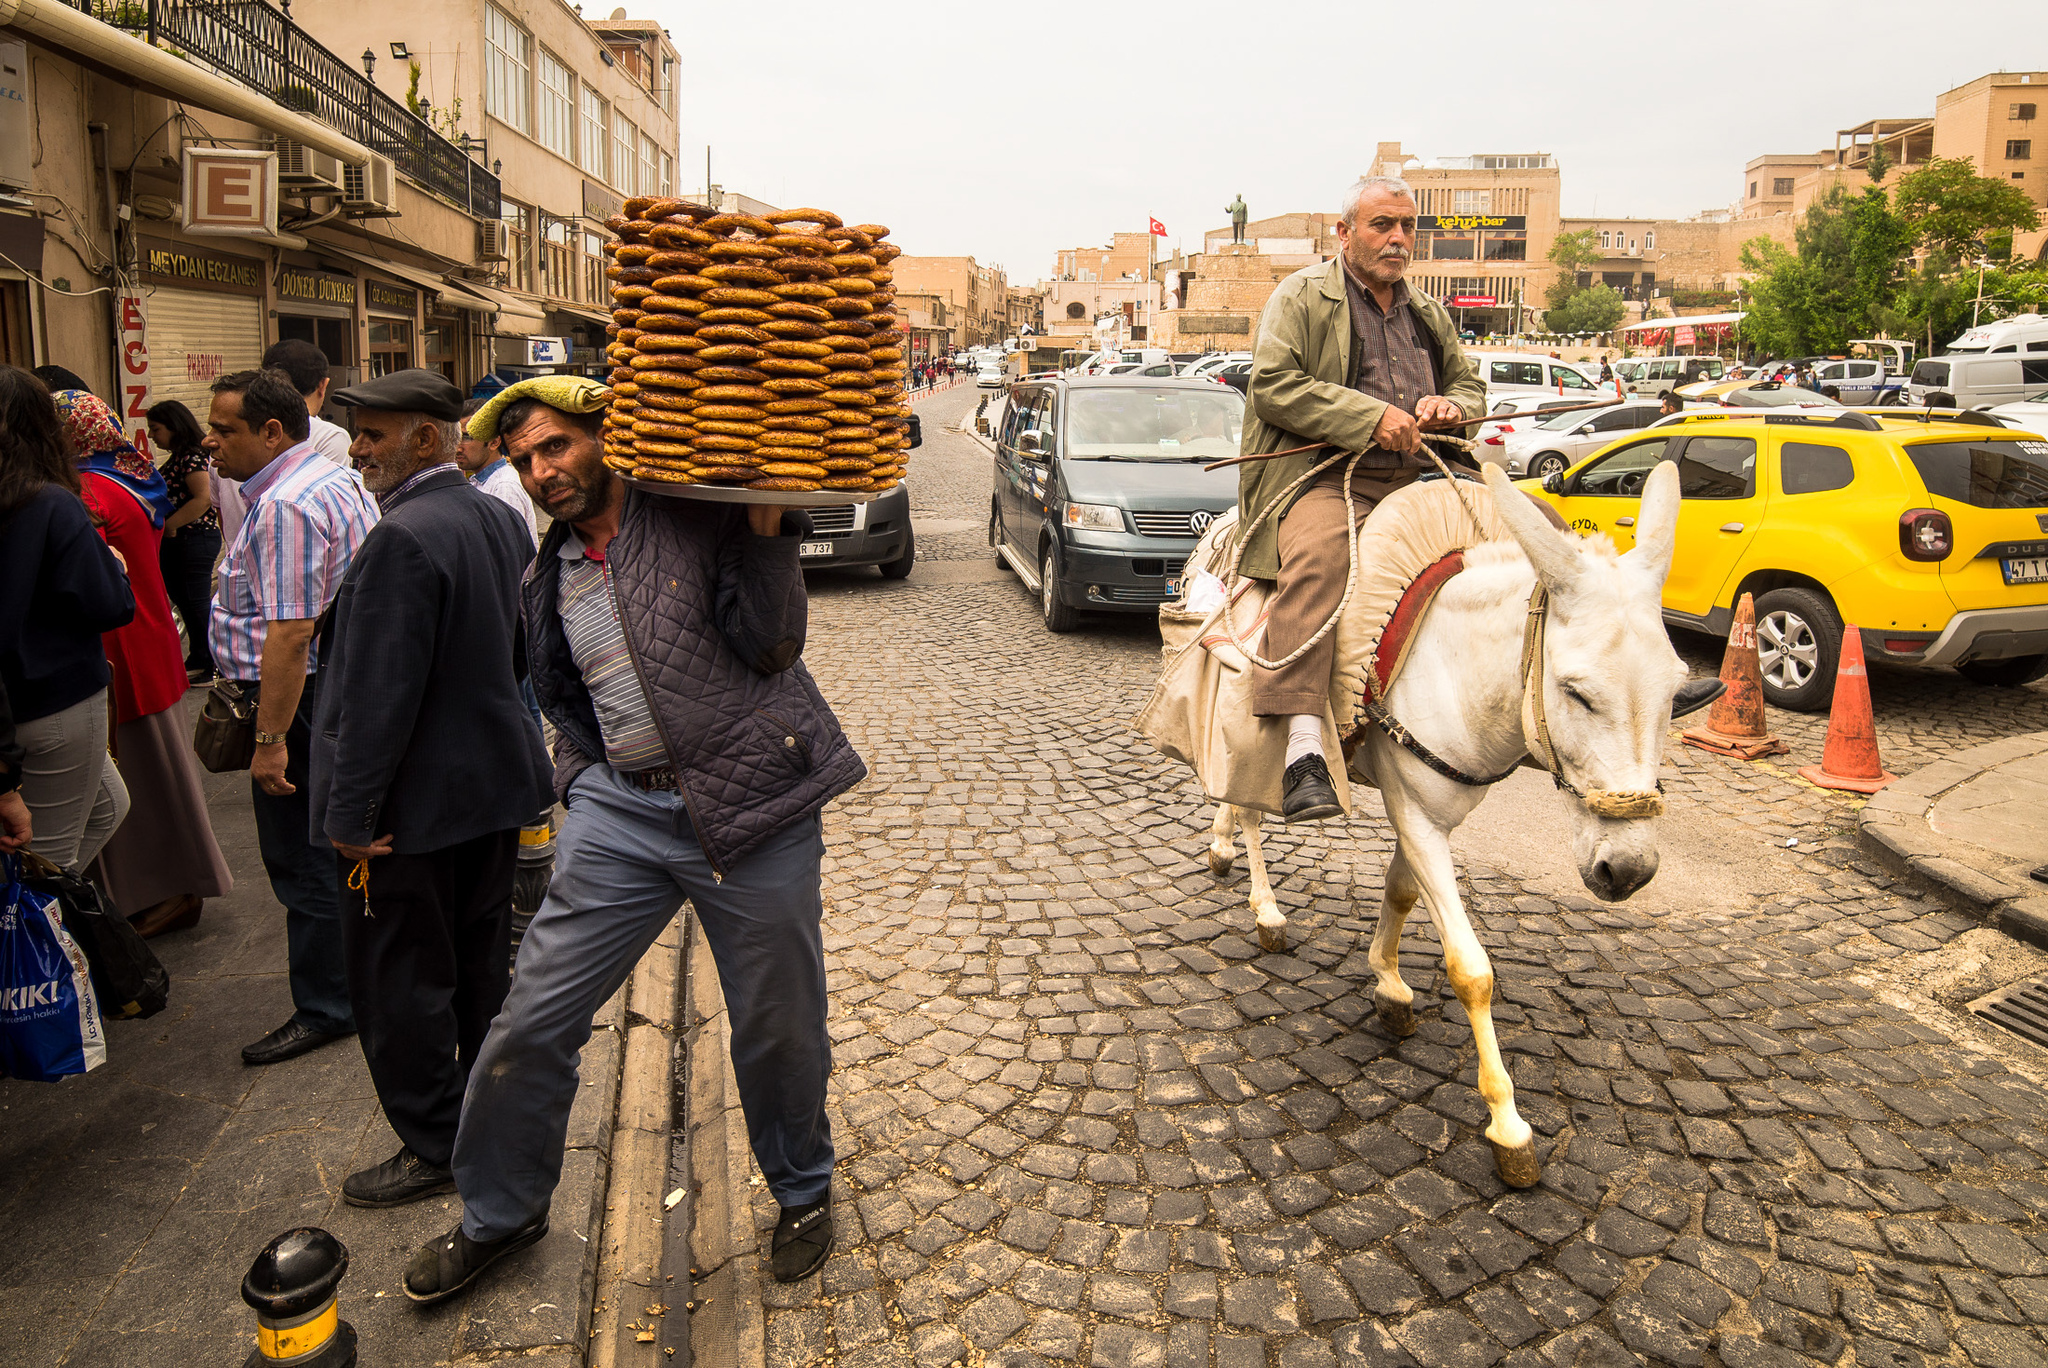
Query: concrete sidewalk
{"points": [[136, 1196], [1975, 826]]}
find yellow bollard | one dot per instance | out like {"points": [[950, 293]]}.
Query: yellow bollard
{"points": [[292, 1287]]}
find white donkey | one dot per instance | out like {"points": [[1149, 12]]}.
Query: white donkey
{"points": [[1555, 651]]}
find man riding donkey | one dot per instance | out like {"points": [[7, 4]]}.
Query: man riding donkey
{"points": [[1348, 360]]}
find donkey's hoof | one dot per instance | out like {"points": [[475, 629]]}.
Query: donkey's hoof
{"points": [[1273, 937], [1517, 1164], [1397, 1017], [1220, 864]]}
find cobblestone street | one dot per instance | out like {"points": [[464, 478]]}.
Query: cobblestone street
{"points": [[1082, 1119]]}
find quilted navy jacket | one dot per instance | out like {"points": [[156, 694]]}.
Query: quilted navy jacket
{"points": [[714, 617]]}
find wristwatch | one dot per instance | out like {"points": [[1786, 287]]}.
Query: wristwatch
{"points": [[264, 738]]}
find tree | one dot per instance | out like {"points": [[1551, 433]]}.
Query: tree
{"points": [[1878, 165], [1595, 309], [1572, 253], [1949, 206]]}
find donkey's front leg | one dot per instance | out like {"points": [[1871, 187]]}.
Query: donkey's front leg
{"points": [[1428, 850], [1392, 999], [1272, 926], [1221, 855]]}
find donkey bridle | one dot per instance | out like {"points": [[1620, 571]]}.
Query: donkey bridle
{"points": [[1620, 804]]}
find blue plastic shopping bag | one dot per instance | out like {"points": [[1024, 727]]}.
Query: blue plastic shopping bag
{"points": [[49, 1022]]}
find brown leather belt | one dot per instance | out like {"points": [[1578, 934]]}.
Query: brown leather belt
{"points": [[661, 779]]}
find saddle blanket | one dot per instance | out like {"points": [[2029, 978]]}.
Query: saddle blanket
{"points": [[1200, 711]]}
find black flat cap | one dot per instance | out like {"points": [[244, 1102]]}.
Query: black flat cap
{"points": [[406, 391]]}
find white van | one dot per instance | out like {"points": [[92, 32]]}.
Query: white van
{"points": [[1661, 374], [1528, 373], [2022, 333], [1971, 380]]}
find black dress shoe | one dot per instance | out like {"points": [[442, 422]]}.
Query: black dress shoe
{"points": [[404, 1177], [289, 1041], [1695, 694], [803, 1237], [441, 1268], [1306, 792]]}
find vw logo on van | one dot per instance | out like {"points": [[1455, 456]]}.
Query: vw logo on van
{"points": [[1198, 521]]}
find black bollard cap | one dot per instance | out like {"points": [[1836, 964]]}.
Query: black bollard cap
{"points": [[295, 1273]]}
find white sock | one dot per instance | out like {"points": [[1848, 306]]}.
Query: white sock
{"points": [[1304, 736]]}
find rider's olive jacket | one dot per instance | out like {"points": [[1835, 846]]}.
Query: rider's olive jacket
{"points": [[1301, 392]]}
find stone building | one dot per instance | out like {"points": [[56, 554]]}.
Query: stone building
{"points": [[976, 296], [578, 114]]}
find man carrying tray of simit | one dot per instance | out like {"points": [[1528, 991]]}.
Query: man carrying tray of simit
{"points": [[694, 755]]}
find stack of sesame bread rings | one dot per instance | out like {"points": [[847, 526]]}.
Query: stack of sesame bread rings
{"points": [[754, 352]]}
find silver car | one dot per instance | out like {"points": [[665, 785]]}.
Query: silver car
{"points": [[1557, 443]]}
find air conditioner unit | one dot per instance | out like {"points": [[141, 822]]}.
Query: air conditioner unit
{"points": [[370, 191], [490, 240], [301, 167]]}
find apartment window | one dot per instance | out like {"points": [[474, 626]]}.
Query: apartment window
{"points": [[1752, 189], [506, 63], [1506, 247], [668, 84], [555, 115], [1781, 185], [1603, 239], [2019, 111], [1649, 241], [2019, 149], [557, 257], [596, 289], [668, 175], [650, 166], [625, 138], [518, 244], [595, 119], [1472, 202]]}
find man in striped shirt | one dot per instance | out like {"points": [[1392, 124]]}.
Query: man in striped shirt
{"points": [[305, 519]]}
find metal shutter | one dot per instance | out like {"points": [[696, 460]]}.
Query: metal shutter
{"points": [[196, 338]]}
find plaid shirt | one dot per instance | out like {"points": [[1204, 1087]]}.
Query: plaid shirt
{"points": [[1391, 362], [305, 519]]}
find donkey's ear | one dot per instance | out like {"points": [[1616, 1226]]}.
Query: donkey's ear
{"points": [[1656, 526], [1555, 554]]}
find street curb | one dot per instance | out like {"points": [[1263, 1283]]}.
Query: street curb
{"points": [[629, 1276], [729, 1327], [1894, 827]]}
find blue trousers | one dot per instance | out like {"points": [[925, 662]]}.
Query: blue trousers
{"points": [[302, 877], [624, 862]]}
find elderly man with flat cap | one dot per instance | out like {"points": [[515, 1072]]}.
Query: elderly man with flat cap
{"points": [[425, 763]]}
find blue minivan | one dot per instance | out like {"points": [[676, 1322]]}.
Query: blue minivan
{"points": [[1100, 491]]}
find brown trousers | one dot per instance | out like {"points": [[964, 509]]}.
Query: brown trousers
{"points": [[1314, 560]]}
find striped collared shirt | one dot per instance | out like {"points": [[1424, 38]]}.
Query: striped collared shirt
{"points": [[305, 519], [590, 619]]}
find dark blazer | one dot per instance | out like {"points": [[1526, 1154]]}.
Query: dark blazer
{"points": [[419, 730], [60, 587], [714, 617]]}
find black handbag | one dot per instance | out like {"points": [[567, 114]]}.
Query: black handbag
{"points": [[225, 736], [127, 977]]}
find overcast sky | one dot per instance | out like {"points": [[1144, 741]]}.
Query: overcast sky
{"points": [[1008, 130]]}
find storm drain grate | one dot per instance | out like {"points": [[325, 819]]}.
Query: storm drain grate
{"points": [[2021, 1008]]}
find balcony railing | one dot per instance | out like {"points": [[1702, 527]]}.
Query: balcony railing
{"points": [[262, 48]]}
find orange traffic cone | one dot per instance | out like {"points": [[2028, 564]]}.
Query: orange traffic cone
{"points": [[1736, 725], [1849, 760]]}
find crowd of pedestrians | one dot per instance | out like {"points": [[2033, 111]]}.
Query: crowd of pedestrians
{"points": [[378, 609]]}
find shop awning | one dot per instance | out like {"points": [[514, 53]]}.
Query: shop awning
{"points": [[68, 30], [1696, 320], [516, 317], [575, 311], [458, 295]]}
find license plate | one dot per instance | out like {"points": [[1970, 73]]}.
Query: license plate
{"points": [[2032, 570], [1173, 588], [814, 549]]}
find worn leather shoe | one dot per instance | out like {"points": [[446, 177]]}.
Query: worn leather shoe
{"points": [[1306, 792], [404, 1177], [803, 1237], [1695, 694], [289, 1041], [441, 1268]]}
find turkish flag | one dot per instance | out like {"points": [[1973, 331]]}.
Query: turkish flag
{"points": [[1158, 228]]}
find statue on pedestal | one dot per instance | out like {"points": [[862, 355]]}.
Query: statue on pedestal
{"points": [[1238, 214]]}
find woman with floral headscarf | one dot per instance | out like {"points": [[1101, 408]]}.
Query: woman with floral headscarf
{"points": [[163, 862]]}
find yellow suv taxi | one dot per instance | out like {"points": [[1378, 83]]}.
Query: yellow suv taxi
{"points": [[1929, 534]]}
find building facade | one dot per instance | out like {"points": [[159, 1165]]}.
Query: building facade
{"points": [[976, 297]]}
